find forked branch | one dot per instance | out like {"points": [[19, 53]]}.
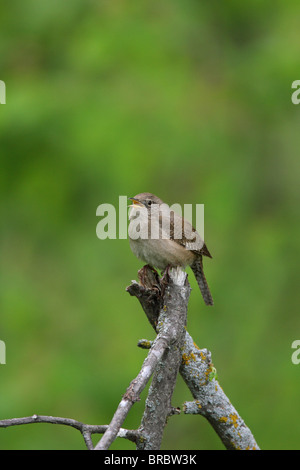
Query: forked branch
{"points": [[165, 303], [197, 371]]}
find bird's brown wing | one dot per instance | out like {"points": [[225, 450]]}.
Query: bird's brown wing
{"points": [[183, 233]]}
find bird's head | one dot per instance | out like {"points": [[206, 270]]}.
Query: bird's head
{"points": [[145, 200]]}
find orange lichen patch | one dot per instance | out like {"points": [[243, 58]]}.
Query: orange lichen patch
{"points": [[208, 372], [234, 419], [186, 358], [223, 419], [197, 347], [203, 357]]}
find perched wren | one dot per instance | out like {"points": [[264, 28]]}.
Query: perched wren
{"points": [[162, 238]]}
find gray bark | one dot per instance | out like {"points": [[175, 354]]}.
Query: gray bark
{"points": [[196, 369], [165, 304], [171, 323]]}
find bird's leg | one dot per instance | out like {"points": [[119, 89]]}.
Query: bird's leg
{"points": [[149, 277], [166, 273]]}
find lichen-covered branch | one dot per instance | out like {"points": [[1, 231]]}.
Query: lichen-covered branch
{"points": [[197, 371], [165, 303], [210, 400]]}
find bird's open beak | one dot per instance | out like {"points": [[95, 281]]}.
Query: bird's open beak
{"points": [[135, 202]]}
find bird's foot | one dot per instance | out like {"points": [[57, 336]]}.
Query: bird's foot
{"points": [[166, 274], [149, 277]]}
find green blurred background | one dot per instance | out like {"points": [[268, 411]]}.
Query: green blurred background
{"points": [[188, 100]]}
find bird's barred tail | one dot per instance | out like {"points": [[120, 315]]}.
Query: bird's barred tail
{"points": [[197, 268]]}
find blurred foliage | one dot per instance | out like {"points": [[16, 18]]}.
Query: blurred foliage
{"points": [[188, 100]]}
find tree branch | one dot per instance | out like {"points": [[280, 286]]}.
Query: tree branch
{"points": [[165, 305], [86, 429], [211, 402], [171, 320], [133, 392], [197, 371], [163, 352]]}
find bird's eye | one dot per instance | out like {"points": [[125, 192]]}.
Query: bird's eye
{"points": [[149, 202]]}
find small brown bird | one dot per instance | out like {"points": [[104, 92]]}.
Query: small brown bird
{"points": [[162, 238]]}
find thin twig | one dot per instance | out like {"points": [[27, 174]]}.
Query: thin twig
{"points": [[86, 429], [133, 392]]}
